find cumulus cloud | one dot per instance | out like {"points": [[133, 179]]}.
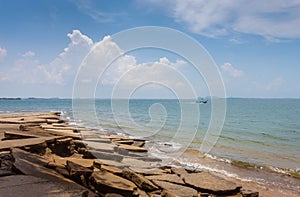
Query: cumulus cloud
{"points": [[67, 62], [228, 68], [161, 75], [125, 73], [133, 74], [29, 70], [3, 53], [77, 38], [271, 19]]}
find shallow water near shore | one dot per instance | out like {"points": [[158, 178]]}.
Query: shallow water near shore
{"points": [[259, 141]]}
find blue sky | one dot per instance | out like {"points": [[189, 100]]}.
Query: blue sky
{"points": [[255, 44]]}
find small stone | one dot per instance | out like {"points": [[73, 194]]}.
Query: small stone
{"points": [[138, 143], [23, 127], [249, 193]]}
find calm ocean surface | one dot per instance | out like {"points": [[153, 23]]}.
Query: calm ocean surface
{"points": [[264, 132]]}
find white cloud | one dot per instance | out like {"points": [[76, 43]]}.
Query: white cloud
{"points": [[67, 62], [60, 70], [163, 71], [28, 54], [161, 75], [270, 18], [88, 8], [78, 38], [125, 73], [3, 53], [228, 68]]}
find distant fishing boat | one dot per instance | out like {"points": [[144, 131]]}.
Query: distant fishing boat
{"points": [[201, 100]]}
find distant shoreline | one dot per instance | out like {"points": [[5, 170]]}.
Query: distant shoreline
{"points": [[227, 98], [5, 98]]}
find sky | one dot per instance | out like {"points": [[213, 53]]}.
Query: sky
{"points": [[255, 46]]}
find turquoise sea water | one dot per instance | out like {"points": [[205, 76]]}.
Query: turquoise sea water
{"points": [[263, 132]]}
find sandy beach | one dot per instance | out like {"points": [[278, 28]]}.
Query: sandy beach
{"points": [[42, 155]]}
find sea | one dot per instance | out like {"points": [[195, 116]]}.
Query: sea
{"points": [[259, 140]]}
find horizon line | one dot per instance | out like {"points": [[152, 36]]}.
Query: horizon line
{"points": [[141, 98]]}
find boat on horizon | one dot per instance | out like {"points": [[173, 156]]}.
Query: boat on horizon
{"points": [[201, 100]]}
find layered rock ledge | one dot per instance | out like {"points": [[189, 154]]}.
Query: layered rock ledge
{"points": [[41, 155]]}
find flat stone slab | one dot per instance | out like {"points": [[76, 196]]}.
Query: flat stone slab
{"points": [[107, 182], [30, 115], [62, 127], [22, 120], [103, 155], [132, 148], [99, 140], [111, 169], [105, 147], [179, 171], [27, 186], [139, 180], [145, 171], [65, 133], [19, 135], [88, 163], [147, 158], [6, 173], [173, 178], [176, 190], [62, 161], [208, 183], [25, 142], [113, 163], [138, 163], [33, 165], [9, 127], [128, 141]]}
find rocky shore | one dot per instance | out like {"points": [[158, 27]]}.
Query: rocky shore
{"points": [[41, 155]]}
